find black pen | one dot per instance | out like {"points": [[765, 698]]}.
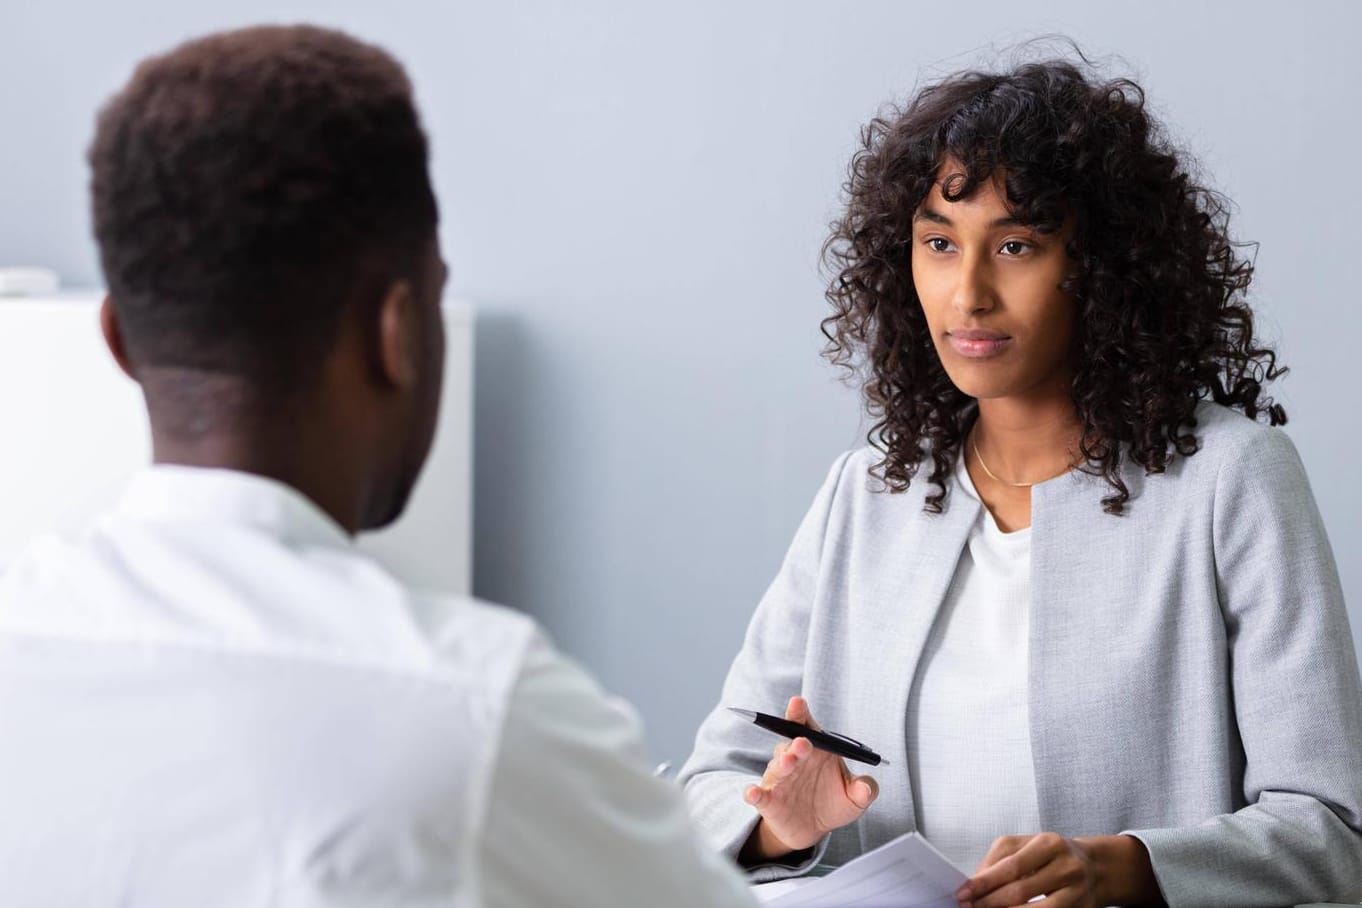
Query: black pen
{"points": [[823, 740]]}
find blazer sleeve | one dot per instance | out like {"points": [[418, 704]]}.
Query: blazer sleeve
{"points": [[1297, 701], [730, 753]]}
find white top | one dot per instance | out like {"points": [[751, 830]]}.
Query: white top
{"points": [[969, 728], [211, 698]]}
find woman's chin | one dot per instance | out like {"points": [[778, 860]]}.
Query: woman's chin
{"points": [[981, 387]]}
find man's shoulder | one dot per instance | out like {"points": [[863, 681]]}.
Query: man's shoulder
{"points": [[458, 625], [253, 597]]}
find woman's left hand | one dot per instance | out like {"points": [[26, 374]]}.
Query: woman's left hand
{"points": [[1069, 873], [1020, 867]]}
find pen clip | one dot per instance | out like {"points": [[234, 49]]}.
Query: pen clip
{"points": [[846, 738]]}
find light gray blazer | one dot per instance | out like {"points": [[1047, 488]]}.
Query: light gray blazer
{"points": [[1192, 674]]}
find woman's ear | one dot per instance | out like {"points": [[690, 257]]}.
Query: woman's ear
{"points": [[113, 336], [398, 328]]}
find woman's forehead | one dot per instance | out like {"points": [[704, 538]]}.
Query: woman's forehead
{"points": [[951, 189]]}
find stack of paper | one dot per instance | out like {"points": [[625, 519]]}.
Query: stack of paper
{"points": [[905, 873]]}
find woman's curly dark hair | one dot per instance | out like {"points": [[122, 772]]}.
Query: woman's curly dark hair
{"points": [[1158, 283]]}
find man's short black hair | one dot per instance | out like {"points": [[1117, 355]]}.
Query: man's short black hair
{"points": [[247, 186]]}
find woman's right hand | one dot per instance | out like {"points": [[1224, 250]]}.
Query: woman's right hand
{"points": [[804, 794]]}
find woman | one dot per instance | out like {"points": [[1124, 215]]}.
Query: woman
{"points": [[1101, 639]]}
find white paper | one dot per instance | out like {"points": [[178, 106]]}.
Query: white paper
{"points": [[905, 873], [767, 893]]}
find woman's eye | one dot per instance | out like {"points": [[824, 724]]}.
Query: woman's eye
{"points": [[1014, 247], [937, 244]]}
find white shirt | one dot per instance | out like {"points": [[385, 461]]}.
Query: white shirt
{"points": [[969, 727], [211, 698]]}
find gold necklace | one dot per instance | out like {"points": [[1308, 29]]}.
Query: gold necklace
{"points": [[974, 443]]}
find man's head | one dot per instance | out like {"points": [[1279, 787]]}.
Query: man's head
{"points": [[267, 229]]}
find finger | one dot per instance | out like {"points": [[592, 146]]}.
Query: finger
{"points": [[1053, 880], [775, 762], [797, 710], [1013, 863], [754, 795], [987, 875], [863, 790], [784, 764], [1001, 848], [1046, 900]]}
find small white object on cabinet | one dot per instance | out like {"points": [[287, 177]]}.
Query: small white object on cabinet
{"points": [[28, 281], [73, 429]]}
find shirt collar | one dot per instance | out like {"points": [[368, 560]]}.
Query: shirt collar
{"points": [[173, 493]]}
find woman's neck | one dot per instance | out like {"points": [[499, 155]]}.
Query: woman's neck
{"points": [[1026, 441]]}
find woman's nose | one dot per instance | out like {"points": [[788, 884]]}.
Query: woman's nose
{"points": [[974, 292]]}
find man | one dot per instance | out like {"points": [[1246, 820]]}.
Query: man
{"points": [[210, 698]]}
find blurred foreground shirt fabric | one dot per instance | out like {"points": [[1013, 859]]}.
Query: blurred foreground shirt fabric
{"points": [[210, 698]]}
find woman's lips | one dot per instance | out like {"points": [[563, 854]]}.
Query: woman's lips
{"points": [[978, 344]]}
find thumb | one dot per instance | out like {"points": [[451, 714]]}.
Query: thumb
{"points": [[797, 710], [863, 790]]}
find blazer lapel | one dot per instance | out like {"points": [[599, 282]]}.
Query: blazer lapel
{"points": [[916, 561]]}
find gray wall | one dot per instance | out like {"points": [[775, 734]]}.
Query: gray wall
{"points": [[635, 196]]}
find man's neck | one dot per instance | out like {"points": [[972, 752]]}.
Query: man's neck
{"points": [[214, 422], [246, 455]]}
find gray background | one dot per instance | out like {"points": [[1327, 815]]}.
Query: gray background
{"points": [[635, 195]]}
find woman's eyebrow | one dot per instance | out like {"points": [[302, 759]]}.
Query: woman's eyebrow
{"points": [[927, 214]]}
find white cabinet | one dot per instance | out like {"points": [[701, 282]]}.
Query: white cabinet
{"points": [[73, 429]]}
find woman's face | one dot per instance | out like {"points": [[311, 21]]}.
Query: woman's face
{"points": [[989, 288]]}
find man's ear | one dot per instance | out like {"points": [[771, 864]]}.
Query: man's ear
{"points": [[398, 325], [113, 336]]}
